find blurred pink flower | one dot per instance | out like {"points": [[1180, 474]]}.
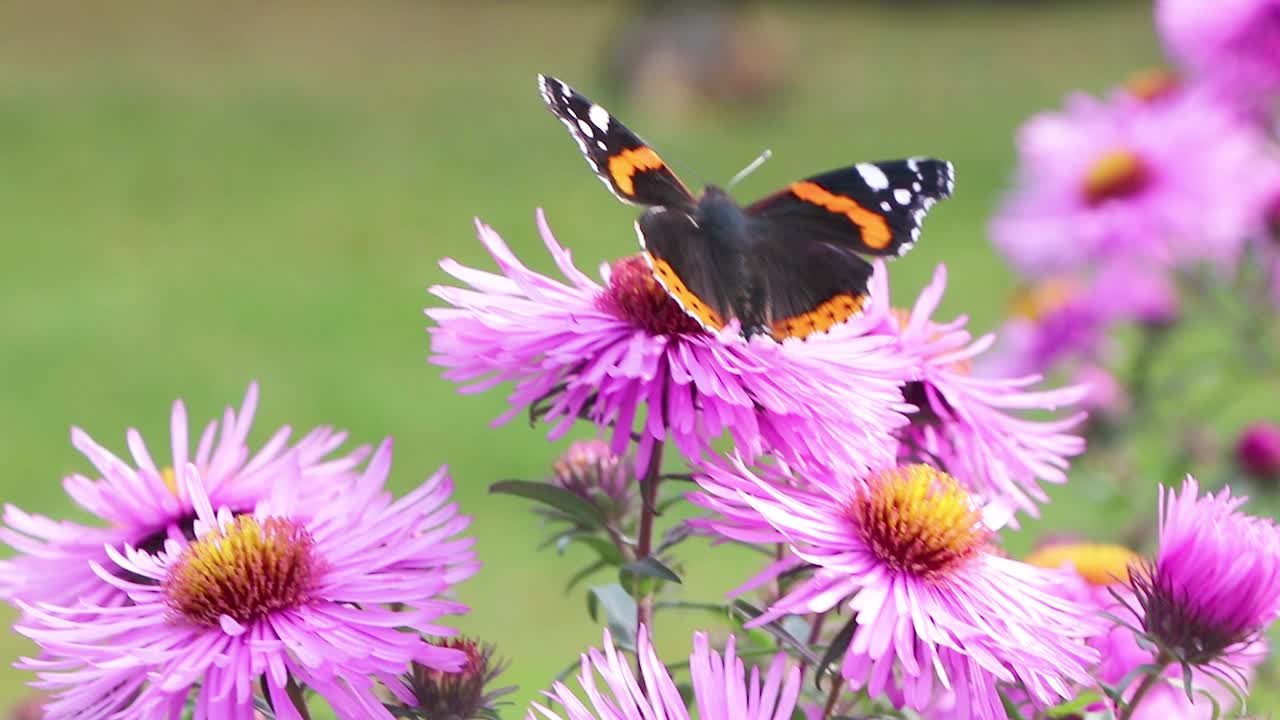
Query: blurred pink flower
{"points": [[970, 425], [1068, 318], [941, 618], [320, 593], [1258, 450], [1147, 182], [144, 505], [722, 690], [625, 356], [1232, 45]]}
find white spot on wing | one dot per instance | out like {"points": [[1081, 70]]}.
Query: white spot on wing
{"points": [[885, 206], [586, 129], [874, 176], [600, 144], [913, 164], [902, 195], [916, 187], [599, 117]]}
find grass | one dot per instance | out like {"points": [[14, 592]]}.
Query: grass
{"points": [[199, 195]]}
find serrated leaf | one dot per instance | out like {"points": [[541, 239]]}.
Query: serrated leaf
{"points": [[839, 644], [619, 611], [651, 567], [582, 512]]}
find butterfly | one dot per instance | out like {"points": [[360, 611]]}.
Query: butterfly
{"points": [[788, 265]]}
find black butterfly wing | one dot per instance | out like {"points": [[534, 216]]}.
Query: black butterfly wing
{"points": [[624, 163], [682, 263], [803, 286], [870, 208]]}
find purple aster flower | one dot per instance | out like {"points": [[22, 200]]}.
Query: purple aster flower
{"points": [[941, 618], [1067, 318], [1101, 574], [722, 689], [143, 505], [1214, 585], [1258, 451], [1140, 181], [967, 424], [319, 594], [624, 355], [1233, 45]]}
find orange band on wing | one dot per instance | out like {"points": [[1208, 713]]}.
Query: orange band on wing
{"points": [[875, 231], [690, 303], [624, 166], [822, 318]]}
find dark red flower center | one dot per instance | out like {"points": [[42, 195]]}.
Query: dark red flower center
{"points": [[634, 295], [1116, 174], [917, 519], [245, 570]]}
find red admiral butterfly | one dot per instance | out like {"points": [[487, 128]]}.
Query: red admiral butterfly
{"points": [[787, 265]]}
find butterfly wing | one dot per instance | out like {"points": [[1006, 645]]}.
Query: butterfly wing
{"points": [[678, 254], [870, 208], [804, 286], [624, 163]]}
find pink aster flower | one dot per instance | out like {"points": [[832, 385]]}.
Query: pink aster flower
{"points": [[968, 424], [624, 355], [942, 620], [1100, 577], [1134, 180], [143, 505], [722, 689], [1234, 45], [1214, 585], [291, 591]]}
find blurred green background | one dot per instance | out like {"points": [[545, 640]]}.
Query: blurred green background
{"points": [[197, 195]]}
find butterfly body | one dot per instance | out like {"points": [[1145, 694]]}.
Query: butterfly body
{"points": [[788, 265]]}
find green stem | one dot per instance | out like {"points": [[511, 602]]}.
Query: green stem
{"points": [[836, 687], [644, 543], [1148, 682]]}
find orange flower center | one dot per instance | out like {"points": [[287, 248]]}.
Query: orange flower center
{"points": [[1098, 564], [245, 570], [918, 520], [1116, 174]]}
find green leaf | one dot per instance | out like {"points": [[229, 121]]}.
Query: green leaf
{"points": [[835, 650], [619, 611], [1076, 706], [673, 536], [651, 567], [605, 550], [583, 574], [582, 512]]}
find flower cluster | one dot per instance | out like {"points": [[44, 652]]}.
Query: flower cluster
{"points": [[875, 462], [284, 568]]}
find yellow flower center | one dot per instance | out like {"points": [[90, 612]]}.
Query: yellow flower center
{"points": [[1098, 564], [245, 570], [918, 520], [1034, 302], [1116, 174]]}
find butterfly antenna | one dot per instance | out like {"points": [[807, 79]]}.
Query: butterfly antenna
{"points": [[750, 168]]}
